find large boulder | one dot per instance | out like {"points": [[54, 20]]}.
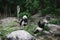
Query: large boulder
{"points": [[20, 35]]}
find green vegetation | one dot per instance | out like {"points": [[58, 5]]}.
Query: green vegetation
{"points": [[24, 13], [55, 21], [6, 30], [8, 7]]}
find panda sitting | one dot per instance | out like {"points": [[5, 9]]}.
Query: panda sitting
{"points": [[24, 21]]}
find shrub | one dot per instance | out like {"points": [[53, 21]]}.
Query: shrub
{"points": [[57, 12], [48, 10], [24, 13]]}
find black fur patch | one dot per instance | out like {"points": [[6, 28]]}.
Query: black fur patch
{"points": [[41, 25], [36, 31], [25, 21]]}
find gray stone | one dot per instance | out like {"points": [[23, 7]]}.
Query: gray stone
{"points": [[55, 29], [21, 35]]}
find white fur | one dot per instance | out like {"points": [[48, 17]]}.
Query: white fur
{"points": [[38, 28], [24, 16], [44, 20], [24, 23]]}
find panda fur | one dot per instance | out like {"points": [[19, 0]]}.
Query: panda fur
{"points": [[24, 21]]}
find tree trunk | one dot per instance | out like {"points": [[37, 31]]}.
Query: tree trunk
{"points": [[9, 11], [5, 11]]}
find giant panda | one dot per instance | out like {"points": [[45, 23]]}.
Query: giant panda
{"points": [[40, 26], [24, 21]]}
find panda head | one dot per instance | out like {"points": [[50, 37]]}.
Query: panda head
{"points": [[24, 17], [45, 21]]}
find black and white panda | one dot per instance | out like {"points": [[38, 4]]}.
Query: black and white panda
{"points": [[24, 21], [41, 25], [19, 35]]}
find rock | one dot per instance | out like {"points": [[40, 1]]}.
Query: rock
{"points": [[55, 29], [9, 21], [20, 35], [46, 32], [0, 38]]}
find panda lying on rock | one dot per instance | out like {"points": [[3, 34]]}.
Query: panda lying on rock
{"points": [[41, 26]]}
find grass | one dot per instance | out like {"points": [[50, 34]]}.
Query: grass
{"points": [[28, 28], [6, 30]]}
